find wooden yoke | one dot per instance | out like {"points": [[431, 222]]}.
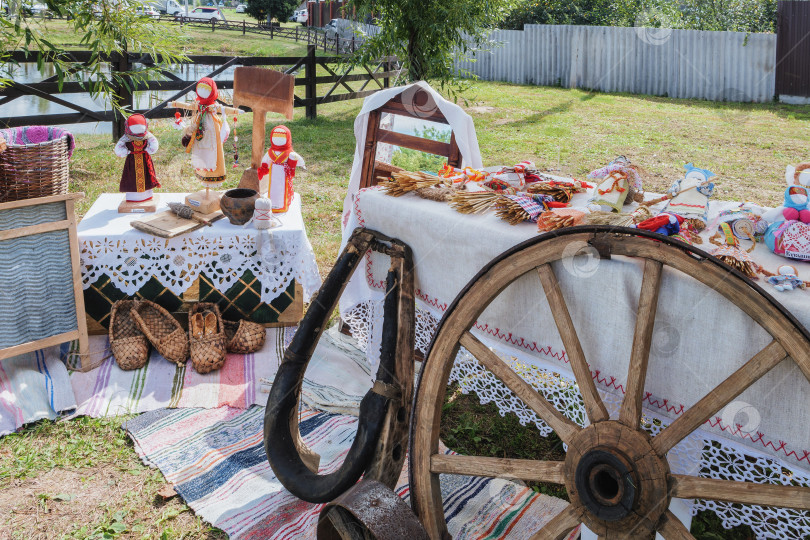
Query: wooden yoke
{"points": [[423, 108]]}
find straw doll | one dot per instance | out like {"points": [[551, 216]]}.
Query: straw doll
{"points": [[204, 137]]}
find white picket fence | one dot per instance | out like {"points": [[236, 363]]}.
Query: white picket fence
{"points": [[718, 66]]}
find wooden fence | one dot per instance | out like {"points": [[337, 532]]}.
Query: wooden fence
{"points": [[339, 75]]}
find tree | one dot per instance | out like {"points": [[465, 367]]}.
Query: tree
{"points": [[267, 10], [427, 35], [104, 27]]}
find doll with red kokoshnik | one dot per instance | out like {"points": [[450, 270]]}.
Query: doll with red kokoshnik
{"points": [[137, 146], [280, 163]]}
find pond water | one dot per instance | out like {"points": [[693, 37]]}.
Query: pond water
{"points": [[33, 105]]}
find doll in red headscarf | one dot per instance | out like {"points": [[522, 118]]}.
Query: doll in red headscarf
{"points": [[205, 134], [280, 163], [137, 146]]}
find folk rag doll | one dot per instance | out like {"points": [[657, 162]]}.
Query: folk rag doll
{"points": [[137, 146], [797, 204], [205, 135], [689, 197], [280, 163], [619, 184], [787, 279]]}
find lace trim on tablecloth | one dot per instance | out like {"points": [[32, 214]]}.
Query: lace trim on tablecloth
{"points": [[178, 262], [700, 454]]}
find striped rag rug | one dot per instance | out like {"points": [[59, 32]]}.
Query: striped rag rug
{"points": [[33, 386], [336, 379], [216, 461]]}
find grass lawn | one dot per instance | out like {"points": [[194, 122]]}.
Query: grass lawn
{"points": [[47, 469], [195, 39]]}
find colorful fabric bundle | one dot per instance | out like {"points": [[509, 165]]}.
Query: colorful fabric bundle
{"points": [[24, 135], [620, 183], [522, 207]]}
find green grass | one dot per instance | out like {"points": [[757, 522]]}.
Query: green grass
{"points": [[567, 131], [196, 39], [82, 479]]}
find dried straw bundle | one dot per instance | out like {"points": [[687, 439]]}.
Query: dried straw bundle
{"points": [[405, 181], [473, 202], [511, 211]]}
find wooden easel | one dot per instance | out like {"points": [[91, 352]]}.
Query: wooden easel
{"points": [[373, 171]]}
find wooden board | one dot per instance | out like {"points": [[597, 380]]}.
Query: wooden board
{"points": [[167, 224], [139, 207]]}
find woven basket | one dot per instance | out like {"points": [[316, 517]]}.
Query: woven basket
{"points": [[162, 330], [244, 337], [34, 170], [207, 352], [128, 344]]}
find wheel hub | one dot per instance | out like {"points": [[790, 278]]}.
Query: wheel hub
{"points": [[606, 484], [615, 475]]}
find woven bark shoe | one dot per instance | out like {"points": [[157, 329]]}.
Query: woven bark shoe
{"points": [[244, 337], [162, 331], [208, 349], [128, 344]]}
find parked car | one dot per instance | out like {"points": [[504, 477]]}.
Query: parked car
{"points": [[40, 10], [221, 4], [147, 11], [331, 29], [201, 14], [241, 8], [300, 16]]}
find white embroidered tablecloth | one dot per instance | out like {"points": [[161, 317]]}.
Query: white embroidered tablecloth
{"points": [[699, 339], [110, 246]]}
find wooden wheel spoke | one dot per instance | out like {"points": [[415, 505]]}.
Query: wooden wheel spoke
{"points": [[719, 397], [490, 467], [562, 524], [573, 349], [692, 487], [630, 414], [564, 427], [671, 528]]}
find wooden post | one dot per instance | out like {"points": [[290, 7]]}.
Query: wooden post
{"points": [[120, 62], [244, 24], [337, 44], [271, 30], [387, 68], [311, 107], [352, 43], [213, 21], [296, 34]]}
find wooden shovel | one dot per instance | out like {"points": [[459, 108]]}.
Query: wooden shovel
{"points": [[262, 90]]}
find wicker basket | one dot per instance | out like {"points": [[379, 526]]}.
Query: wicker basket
{"points": [[34, 170], [244, 337], [129, 346], [162, 330], [208, 351]]}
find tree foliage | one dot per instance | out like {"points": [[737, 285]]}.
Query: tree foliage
{"points": [[731, 15], [266, 10], [104, 27], [426, 35]]}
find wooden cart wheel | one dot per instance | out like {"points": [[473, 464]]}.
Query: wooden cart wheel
{"points": [[617, 476]]}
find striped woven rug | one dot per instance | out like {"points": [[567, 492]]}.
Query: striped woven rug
{"points": [[336, 380], [215, 459]]}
